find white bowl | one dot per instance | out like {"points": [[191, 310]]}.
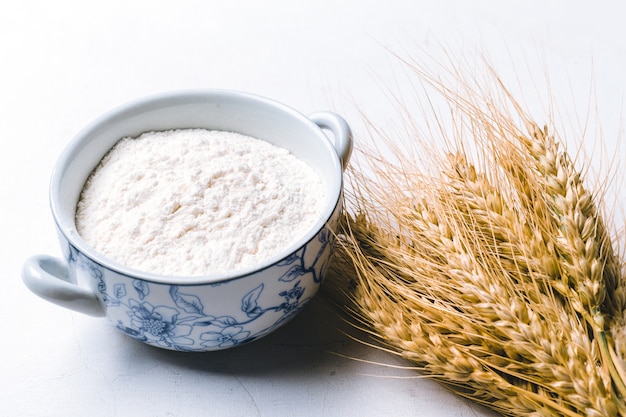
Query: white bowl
{"points": [[194, 313]]}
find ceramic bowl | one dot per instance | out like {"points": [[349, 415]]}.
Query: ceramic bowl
{"points": [[194, 313]]}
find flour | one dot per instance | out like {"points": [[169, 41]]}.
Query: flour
{"points": [[196, 202]]}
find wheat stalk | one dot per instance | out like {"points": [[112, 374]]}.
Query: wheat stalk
{"points": [[504, 293]]}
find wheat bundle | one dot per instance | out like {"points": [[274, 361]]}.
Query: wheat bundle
{"points": [[492, 271]]}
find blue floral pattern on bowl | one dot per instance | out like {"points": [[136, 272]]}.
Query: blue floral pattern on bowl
{"points": [[181, 317], [187, 313]]}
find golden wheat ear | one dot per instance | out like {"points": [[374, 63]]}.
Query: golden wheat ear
{"points": [[491, 271]]}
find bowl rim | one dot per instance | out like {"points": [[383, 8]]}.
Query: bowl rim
{"points": [[68, 227]]}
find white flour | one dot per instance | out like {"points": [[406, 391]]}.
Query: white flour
{"points": [[197, 202]]}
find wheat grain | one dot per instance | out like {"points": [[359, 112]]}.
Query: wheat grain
{"points": [[457, 347], [504, 293]]}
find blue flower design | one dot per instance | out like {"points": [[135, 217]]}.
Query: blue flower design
{"points": [[293, 294], [158, 325], [292, 298], [226, 337], [179, 318]]}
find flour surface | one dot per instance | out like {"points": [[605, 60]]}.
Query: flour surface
{"points": [[196, 202]]}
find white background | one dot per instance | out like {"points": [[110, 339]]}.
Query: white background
{"points": [[63, 63]]}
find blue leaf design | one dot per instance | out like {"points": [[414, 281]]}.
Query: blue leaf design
{"points": [[190, 303], [288, 260], [293, 273], [256, 312], [142, 288], [224, 321], [174, 292], [324, 236], [119, 291], [249, 301]]}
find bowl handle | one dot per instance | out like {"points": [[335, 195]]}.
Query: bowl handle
{"points": [[48, 277], [340, 130]]}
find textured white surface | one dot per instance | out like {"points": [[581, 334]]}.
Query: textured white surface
{"points": [[62, 63], [192, 202]]}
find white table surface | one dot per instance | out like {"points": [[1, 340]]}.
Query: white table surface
{"points": [[64, 62]]}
